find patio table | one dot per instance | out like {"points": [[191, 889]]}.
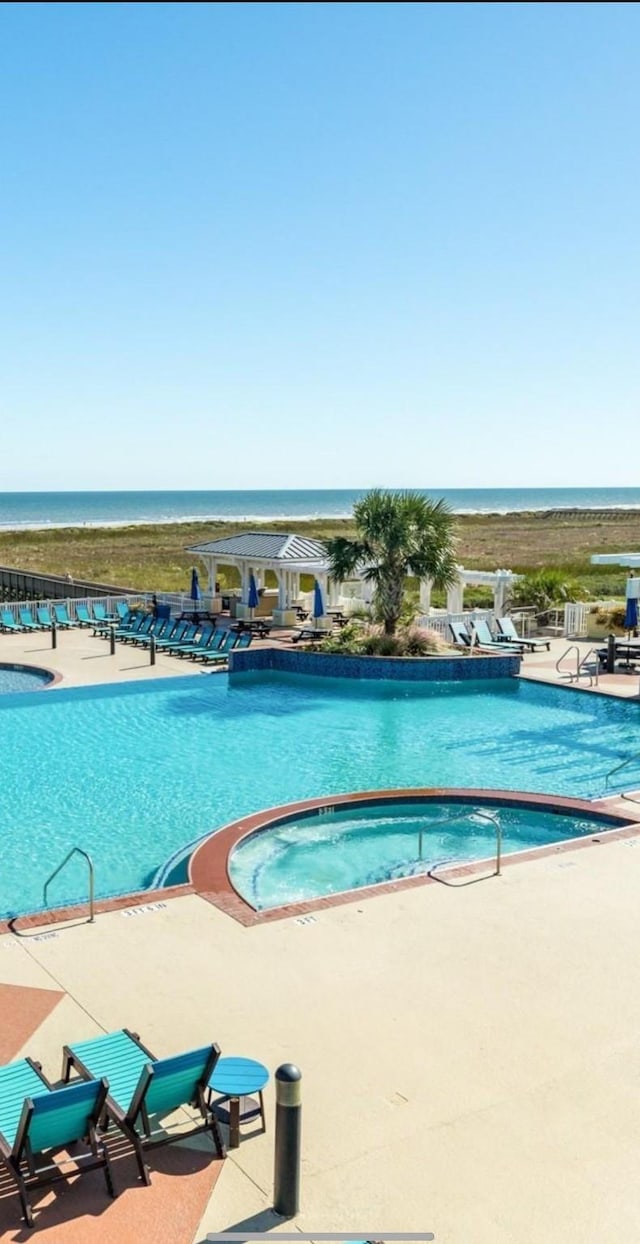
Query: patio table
{"points": [[236, 1079]]}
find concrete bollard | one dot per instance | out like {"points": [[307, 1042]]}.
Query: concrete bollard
{"points": [[152, 651], [112, 641], [54, 634], [611, 654], [286, 1182]]}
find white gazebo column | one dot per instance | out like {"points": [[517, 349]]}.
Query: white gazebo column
{"points": [[333, 593], [215, 601], [242, 609], [425, 596], [283, 614], [500, 589], [321, 619]]}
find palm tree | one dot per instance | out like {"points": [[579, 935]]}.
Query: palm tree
{"points": [[398, 534]]}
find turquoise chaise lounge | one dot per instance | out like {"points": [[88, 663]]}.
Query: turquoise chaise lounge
{"points": [[507, 628], [141, 1085], [37, 1120]]}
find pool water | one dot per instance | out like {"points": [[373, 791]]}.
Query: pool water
{"points": [[14, 678], [344, 849], [133, 772]]}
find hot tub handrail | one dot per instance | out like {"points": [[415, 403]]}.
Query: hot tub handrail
{"points": [[481, 812], [476, 811], [54, 874]]}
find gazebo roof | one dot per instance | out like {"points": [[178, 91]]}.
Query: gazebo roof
{"points": [[271, 546]]}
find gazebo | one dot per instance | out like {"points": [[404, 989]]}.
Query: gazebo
{"points": [[253, 553], [498, 580]]}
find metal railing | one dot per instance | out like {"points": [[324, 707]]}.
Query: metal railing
{"points": [[618, 768], [492, 817], [87, 857], [582, 669]]}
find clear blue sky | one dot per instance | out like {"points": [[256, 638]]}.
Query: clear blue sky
{"points": [[265, 245]]}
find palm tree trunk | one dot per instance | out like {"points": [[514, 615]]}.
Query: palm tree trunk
{"points": [[389, 594]]}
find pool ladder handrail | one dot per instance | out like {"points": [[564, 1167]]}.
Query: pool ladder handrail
{"points": [[481, 812], [581, 661], [617, 768], [54, 874]]}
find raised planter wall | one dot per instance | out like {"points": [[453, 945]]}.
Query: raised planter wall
{"points": [[405, 669]]}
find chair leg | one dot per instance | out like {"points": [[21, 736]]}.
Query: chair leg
{"points": [[261, 1100]]}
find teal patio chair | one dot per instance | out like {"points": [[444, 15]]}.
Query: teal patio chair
{"points": [[142, 628], [43, 614], [210, 639], [83, 616], [142, 638], [188, 636], [141, 1086], [36, 1120], [175, 637], [61, 615], [221, 654], [8, 622], [99, 612], [26, 618]]}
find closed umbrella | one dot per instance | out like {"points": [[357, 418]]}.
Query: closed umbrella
{"points": [[318, 603], [254, 599], [195, 592], [631, 611]]}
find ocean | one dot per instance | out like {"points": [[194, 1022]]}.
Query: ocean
{"points": [[24, 510]]}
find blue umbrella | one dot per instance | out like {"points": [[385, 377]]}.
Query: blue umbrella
{"points": [[318, 603], [195, 592], [631, 614], [254, 599]]}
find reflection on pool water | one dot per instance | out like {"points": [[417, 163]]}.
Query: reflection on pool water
{"points": [[347, 848], [16, 678], [132, 772]]}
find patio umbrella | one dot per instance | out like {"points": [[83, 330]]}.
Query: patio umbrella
{"points": [[254, 599], [195, 592], [318, 603], [631, 611]]}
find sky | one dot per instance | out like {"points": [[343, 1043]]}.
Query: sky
{"points": [[319, 245]]}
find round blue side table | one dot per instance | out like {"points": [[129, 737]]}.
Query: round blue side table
{"points": [[236, 1079]]}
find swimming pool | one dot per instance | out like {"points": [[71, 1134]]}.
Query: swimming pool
{"points": [[329, 850], [17, 678], [133, 772]]}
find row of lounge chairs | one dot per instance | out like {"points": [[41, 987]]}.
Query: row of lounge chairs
{"points": [[58, 615], [121, 1082], [506, 640], [200, 642]]}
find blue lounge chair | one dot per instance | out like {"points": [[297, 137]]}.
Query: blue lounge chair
{"points": [[462, 639], [210, 639], [144, 626], [26, 617], [83, 616], [142, 638], [507, 628], [99, 612], [61, 615], [36, 1120], [8, 622], [141, 1085], [176, 636], [221, 654], [43, 614], [188, 636], [122, 609]]}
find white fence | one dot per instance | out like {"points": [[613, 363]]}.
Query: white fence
{"points": [[107, 602], [439, 622]]}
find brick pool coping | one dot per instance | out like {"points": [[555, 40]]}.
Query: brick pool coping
{"points": [[208, 866], [209, 877]]}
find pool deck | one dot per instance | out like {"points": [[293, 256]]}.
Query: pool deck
{"points": [[469, 1052]]}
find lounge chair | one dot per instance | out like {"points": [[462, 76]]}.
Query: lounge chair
{"points": [[28, 623], [63, 621], [158, 628], [507, 628], [8, 622], [122, 609], [36, 1119], [219, 655], [183, 637], [99, 612], [83, 616], [144, 626], [209, 641], [462, 639], [481, 634], [43, 614], [141, 1085]]}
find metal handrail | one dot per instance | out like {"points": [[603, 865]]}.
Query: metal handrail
{"points": [[580, 662], [623, 764], [487, 816], [87, 857]]}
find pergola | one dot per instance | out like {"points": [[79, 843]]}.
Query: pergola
{"points": [[498, 580], [254, 552]]}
